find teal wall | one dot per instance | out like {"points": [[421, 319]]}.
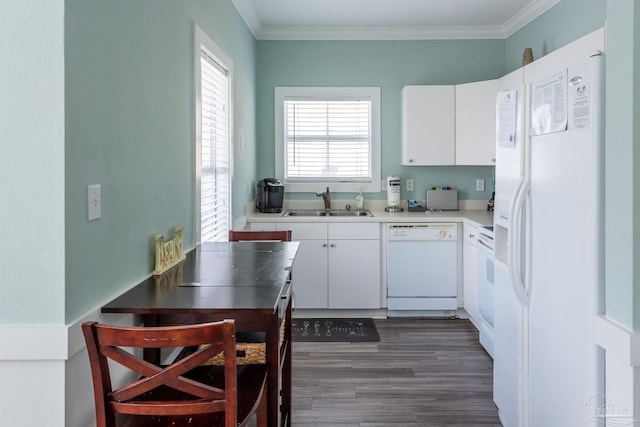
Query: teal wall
{"points": [[32, 211], [562, 24], [129, 102], [394, 64], [129, 116], [622, 192], [389, 65]]}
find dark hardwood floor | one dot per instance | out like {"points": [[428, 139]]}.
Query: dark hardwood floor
{"points": [[422, 372]]}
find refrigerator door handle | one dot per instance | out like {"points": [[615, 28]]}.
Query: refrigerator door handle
{"points": [[515, 241]]}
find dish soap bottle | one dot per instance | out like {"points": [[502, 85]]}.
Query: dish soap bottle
{"points": [[359, 198]]}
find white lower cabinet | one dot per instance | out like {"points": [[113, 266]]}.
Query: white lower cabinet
{"points": [[310, 273], [354, 265], [337, 265], [470, 274]]}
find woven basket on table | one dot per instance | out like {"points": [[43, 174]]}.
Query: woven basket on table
{"points": [[250, 353]]}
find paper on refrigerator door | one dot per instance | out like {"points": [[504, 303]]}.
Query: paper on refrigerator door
{"points": [[507, 115], [580, 104], [549, 104]]}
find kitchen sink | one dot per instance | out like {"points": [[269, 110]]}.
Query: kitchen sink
{"points": [[350, 213], [327, 212], [305, 213]]}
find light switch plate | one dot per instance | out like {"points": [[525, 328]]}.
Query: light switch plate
{"points": [[94, 202], [479, 184], [409, 184]]}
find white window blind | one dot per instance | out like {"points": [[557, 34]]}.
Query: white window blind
{"points": [[327, 138], [215, 181]]}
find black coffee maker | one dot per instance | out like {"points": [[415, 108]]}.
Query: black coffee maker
{"points": [[270, 195]]}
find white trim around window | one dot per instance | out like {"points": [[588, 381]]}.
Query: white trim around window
{"points": [[213, 81], [371, 182]]}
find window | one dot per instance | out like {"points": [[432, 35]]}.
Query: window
{"points": [[328, 137], [213, 140]]}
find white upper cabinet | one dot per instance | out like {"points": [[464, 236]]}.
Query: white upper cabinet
{"points": [[476, 123], [449, 125], [428, 125]]}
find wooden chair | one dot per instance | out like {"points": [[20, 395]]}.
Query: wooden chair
{"points": [[182, 393], [278, 236]]}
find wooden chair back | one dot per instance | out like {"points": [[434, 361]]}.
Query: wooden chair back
{"points": [[277, 236], [162, 391]]}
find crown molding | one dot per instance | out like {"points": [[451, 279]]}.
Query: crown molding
{"points": [[249, 15], [379, 33], [261, 32], [526, 15]]}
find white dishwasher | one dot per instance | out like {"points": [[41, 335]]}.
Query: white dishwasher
{"points": [[422, 269]]}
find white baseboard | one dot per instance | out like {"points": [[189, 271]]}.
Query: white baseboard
{"points": [[618, 341], [51, 342]]}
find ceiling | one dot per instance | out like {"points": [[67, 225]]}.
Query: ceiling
{"points": [[388, 19]]}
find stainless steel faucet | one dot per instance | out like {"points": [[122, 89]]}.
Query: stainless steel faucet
{"points": [[326, 197]]}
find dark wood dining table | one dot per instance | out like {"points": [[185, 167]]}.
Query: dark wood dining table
{"points": [[249, 282]]}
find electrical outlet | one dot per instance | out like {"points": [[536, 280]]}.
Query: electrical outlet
{"points": [[409, 184], [94, 202], [479, 184]]}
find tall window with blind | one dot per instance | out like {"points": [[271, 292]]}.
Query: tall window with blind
{"points": [[213, 145], [328, 136]]}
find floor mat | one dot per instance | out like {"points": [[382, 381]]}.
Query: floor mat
{"points": [[334, 330]]}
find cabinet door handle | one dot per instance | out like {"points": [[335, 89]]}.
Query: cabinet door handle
{"points": [[324, 245], [333, 245]]}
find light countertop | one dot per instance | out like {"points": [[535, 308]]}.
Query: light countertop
{"points": [[477, 217]]}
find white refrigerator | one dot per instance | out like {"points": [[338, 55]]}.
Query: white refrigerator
{"points": [[548, 227]]}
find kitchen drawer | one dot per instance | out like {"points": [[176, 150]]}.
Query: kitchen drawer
{"points": [[470, 232], [304, 230], [349, 230]]}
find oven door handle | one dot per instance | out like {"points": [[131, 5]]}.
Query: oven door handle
{"points": [[485, 245]]}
